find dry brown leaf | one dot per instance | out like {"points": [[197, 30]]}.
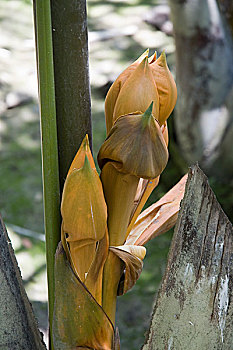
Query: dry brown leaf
{"points": [[144, 190], [132, 257], [159, 217]]}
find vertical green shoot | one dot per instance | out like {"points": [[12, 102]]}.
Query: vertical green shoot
{"points": [[49, 140]]}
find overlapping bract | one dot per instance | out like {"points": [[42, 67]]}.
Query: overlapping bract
{"points": [[144, 81], [79, 271], [84, 220], [136, 146], [102, 254]]}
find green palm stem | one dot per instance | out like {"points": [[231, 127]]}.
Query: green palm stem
{"points": [[43, 33]]}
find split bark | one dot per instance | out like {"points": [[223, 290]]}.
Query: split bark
{"points": [[204, 49], [18, 330], [194, 308]]}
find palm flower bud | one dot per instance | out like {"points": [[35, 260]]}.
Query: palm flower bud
{"points": [[147, 79], [136, 145], [134, 149]]}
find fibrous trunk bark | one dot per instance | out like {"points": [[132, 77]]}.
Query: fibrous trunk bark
{"points": [[19, 328], [204, 49], [194, 308]]}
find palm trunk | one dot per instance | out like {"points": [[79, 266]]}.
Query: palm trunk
{"points": [[194, 308], [204, 49]]}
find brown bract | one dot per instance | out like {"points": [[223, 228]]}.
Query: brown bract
{"points": [[138, 92], [136, 146], [84, 232], [166, 87], [83, 151], [84, 215], [113, 92], [145, 80], [79, 321]]}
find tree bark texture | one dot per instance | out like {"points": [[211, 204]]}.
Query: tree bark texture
{"points": [[226, 7], [19, 330], [204, 50], [72, 88], [194, 308]]}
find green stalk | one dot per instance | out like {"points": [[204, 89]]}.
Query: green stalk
{"points": [[43, 30], [72, 88]]}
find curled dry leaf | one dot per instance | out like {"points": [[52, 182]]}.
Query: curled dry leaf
{"points": [[132, 257], [79, 321], [159, 217], [145, 187]]}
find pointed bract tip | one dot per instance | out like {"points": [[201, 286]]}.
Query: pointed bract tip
{"points": [[86, 138], [144, 64], [86, 165], [149, 109], [86, 142], [162, 60], [152, 58], [146, 117], [145, 54]]}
